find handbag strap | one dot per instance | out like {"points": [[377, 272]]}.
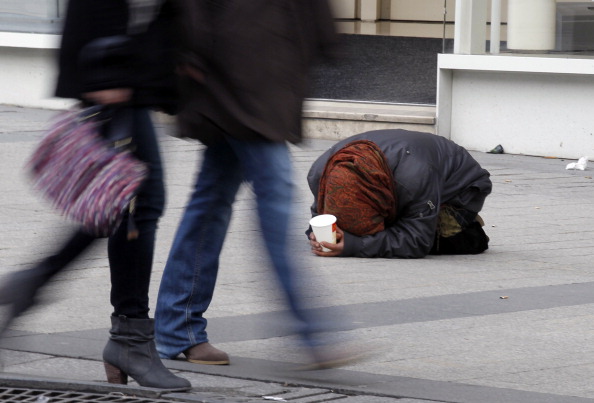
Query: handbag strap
{"points": [[118, 127], [115, 123]]}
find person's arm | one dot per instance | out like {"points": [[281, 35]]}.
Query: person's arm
{"points": [[84, 22], [313, 180], [74, 35], [325, 29], [408, 237], [194, 34], [413, 233]]}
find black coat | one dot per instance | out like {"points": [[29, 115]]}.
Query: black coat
{"points": [[255, 56], [428, 171], [151, 76]]}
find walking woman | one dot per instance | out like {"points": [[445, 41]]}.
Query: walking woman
{"points": [[136, 88]]}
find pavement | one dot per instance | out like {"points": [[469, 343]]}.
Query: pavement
{"points": [[514, 324]]}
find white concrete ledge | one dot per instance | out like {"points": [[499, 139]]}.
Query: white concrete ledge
{"points": [[29, 41], [336, 120], [369, 112], [530, 104], [541, 63]]}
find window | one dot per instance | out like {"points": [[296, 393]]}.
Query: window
{"points": [[32, 16], [529, 26]]}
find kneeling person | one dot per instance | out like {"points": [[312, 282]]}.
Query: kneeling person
{"points": [[399, 193]]}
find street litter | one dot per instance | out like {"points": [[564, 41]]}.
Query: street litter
{"points": [[497, 150], [581, 164], [504, 297], [274, 398]]}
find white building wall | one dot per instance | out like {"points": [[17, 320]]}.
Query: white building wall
{"points": [[430, 10], [29, 70], [530, 105]]}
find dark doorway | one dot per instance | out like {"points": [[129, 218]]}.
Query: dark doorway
{"points": [[377, 68]]}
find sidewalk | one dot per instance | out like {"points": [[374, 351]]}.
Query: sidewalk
{"points": [[515, 324]]}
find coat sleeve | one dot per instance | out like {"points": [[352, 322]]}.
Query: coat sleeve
{"points": [[326, 34], [409, 237], [313, 180], [74, 36], [85, 20], [413, 233]]}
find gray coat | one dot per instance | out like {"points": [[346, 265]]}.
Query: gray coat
{"points": [[428, 170]]}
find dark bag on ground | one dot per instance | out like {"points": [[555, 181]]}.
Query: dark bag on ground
{"points": [[459, 232]]}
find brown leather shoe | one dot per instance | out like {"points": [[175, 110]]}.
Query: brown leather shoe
{"points": [[341, 354], [205, 353]]}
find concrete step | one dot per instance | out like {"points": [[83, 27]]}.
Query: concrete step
{"points": [[336, 120]]}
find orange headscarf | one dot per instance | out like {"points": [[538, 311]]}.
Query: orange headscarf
{"points": [[357, 187]]}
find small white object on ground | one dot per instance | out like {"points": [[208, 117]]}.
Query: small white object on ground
{"points": [[581, 164]]}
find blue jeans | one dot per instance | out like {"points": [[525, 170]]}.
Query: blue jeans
{"points": [[191, 271]]}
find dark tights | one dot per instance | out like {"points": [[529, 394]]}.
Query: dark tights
{"points": [[130, 261]]}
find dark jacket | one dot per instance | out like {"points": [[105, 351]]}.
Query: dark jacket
{"points": [[428, 171], [151, 76], [255, 56]]}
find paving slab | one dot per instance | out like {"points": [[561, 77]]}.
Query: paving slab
{"points": [[514, 324]]}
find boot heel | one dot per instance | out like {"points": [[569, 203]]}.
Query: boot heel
{"points": [[115, 375], [131, 352]]}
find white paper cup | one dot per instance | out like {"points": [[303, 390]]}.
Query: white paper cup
{"points": [[324, 228]]}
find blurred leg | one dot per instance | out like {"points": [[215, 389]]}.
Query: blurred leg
{"points": [[267, 166], [131, 261], [130, 350], [20, 289], [190, 274]]}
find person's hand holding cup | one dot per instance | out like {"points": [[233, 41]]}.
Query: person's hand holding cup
{"points": [[324, 228]]}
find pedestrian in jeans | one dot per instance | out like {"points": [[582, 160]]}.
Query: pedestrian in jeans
{"points": [[246, 69], [130, 350]]}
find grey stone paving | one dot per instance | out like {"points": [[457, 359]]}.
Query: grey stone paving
{"points": [[515, 324]]}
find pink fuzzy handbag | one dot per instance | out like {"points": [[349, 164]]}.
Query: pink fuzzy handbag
{"points": [[87, 176]]}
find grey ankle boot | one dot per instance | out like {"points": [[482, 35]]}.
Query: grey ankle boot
{"points": [[131, 351]]}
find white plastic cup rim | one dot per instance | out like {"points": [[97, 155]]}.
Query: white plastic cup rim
{"points": [[322, 220]]}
